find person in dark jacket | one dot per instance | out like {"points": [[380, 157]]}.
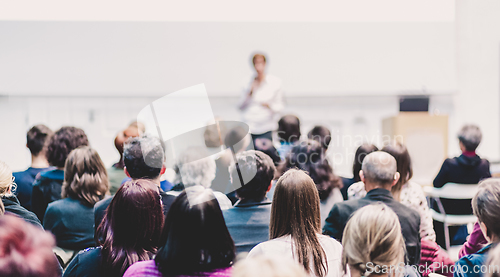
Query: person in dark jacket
{"points": [[486, 207], [71, 219], [36, 141], [468, 168], [379, 174], [248, 220], [144, 158], [9, 200], [47, 185]]}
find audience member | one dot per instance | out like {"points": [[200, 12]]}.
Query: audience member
{"points": [[9, 200], [130, 232], [405, 191], [144, 158], [360, 155], [288, 134], [295, 227], [379, 174], [262, 101], [71, 219], [248, 220], [196, 169], [116, 174], [36, 141], [47, 186], [468, 168], [320, 134], [486, 207], [26, 251], [493, 263], [268, 266], [373, 244], [475, 241], [310, 156], [195, 239]]}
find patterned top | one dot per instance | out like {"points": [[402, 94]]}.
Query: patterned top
{"points": [[148, 268], [412, 196]]}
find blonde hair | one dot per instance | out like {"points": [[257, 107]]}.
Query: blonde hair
{"points": [[373, 240], [268, 266], [6, 180]]}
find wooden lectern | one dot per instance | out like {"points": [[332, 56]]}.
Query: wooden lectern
{"points": [[425, 136]]}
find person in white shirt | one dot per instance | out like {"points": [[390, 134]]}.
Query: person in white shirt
{"points": [[263, 101], [295, 228]]}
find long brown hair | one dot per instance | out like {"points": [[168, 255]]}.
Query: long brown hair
{"points": [[403, 161], [295, 212], [85, 177]]}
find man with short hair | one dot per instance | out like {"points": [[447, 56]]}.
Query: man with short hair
{"points": [[379, 173], [144, 159], [248, 220], [36, 141]]}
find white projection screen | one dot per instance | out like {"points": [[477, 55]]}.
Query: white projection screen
{"points": [[155, 58]]}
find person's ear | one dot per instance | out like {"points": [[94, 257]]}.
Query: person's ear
{"points": [[396, 179], [484, 229], [361, 176], [270, 186], [163, 169], [126, 172]]}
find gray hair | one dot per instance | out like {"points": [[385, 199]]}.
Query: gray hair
{"points": [[486, 205], [379, 167], [470, 136], [196, 167]]}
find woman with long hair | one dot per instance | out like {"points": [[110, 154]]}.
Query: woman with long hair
{"points": [[374, 244], [129, 232], [405, 191], [295, 227], [310, 156], [71, 219], [195, 240]]}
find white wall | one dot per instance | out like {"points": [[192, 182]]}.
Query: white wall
{"points": [[155, 58]]}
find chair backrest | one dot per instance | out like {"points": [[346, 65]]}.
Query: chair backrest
{"points": [[453, 191]]}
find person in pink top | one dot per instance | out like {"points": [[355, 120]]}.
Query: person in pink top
{"points": [[195, 240]]}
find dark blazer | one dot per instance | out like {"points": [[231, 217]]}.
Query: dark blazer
{"points": [[461, 170], [11, 204], [409, 219], [468, 265], [86, 264], [46, 189], [24, 181]]}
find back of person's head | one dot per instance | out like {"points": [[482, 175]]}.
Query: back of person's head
{"points": [[251, 163], [320, 134], [373, 240], [360, 155], [214, 132], [237, 138], [379, 168], [132, 226], [143, 157], [295, 211], [196, 167], [470, 136], [63, 142], [268, 266], [195, 237], [310, 156], [403, 161], [493, 262], [85, 176], [486, 206], [6, 180], [25, 250], [131, 131], [37, 138], [289, 129]]}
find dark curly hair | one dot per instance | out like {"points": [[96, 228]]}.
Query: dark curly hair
{"points": [[37, 138], [63, 142], [258, 169], [310, 156]]}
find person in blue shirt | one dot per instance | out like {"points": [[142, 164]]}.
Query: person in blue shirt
{"points": [[36, 141], [486, 207]]}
